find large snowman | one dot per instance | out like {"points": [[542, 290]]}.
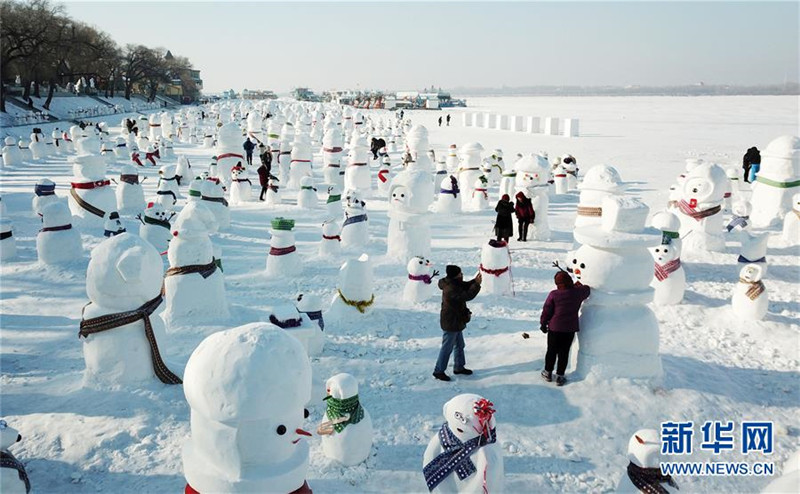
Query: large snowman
{"points": [[777, 180], [91, 196], [409, 234], [619, 334], [700, 209], [533, 175], [599, 182], [469, 170], [247, 388], [229, 151]]}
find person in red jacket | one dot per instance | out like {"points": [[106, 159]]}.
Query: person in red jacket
{"points": [[559, 320], [523, 208]]}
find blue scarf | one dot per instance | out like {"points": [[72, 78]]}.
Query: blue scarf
{"points": [[315, 315], [355, 219], [44, 190], [737, 221], [748, 261], [455, 457]]}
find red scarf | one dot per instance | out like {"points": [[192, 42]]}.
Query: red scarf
{"points": [[663, 271], [689, 210], [281, 251], [382, 175], [91, 185], [496, 272]]}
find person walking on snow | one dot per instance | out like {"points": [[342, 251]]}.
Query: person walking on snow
{"points": [[249, 146], [265, 170], [504, 225], [523, 208], [751, 158], [453, 319], [559, 320], [440, 121]]}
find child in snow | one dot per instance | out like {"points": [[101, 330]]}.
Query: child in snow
{"points": [[503, 225], [523, 208], [559, 320], [453, 319]]}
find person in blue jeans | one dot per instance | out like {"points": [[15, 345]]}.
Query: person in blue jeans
{"points": [[453, 319]]}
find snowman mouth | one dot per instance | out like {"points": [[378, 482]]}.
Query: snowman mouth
{"points": [[459, 430]]}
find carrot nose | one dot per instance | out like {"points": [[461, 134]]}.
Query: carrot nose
{"points": [[301, 432], [577, 271]]}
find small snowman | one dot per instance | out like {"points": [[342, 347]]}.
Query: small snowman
{"points": [[700, 209], [750, 298], [13, 477], [195, 190], [57, 242], [246, 433], [283, 260], [330, 244], [560, 179], [119, 332], [155, 226], [274, 196], [791, 223], [44, 193], [113, 225], [213, 198], [354, 294], [448, 200], [740, 218], [183, 171], [419, 286], [496, 268], [121, 149], [669, 280], [241, 186], [311, 306], [307, 195], [333, 205], [355, 230], [464, 457], [8, 244], [644, 474], [12, 156], [168, 192], [480, 194], [129, 192], [754, 249], [346, 430], [300, 326]]}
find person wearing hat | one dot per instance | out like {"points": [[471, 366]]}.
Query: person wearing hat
{"points": [[559, 320], [248, 147], [504, 225], [453, 319]]}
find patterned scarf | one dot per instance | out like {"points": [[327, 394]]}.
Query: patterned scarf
{"points": [[756, 288], [355, 219], [740, 221], [7, 460], [649, 480], [663, 271], [347, 406], [690, 211], [111, 321], [204, 270], [588, 211], [455, 456]]}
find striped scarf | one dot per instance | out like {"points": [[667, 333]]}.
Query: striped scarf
{"points": [[589, 211], [756, 288], [455, 456], [694, 213], [649, 480], [662, 271], [740, 221]]}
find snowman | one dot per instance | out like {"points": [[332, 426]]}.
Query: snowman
{"points": [[113, 225], [311, 306], [282, 260], [285, 148], [37, 146], [307, 195], [354, 294], [560, 179], [419, 286], [213, 198], [753, 249], [330, 244], [184, 171], [619, 333], [669, 280], [246, 431], [533, 174], [155, 227], [600, 181], [151, 155], [154, 124], [464, 456], [8, 244], [300, 161], [700, 209], [107, 152], [13, 477], [469, 170], [740, 217], [791, 223], [57, 141], [346, 430], [333, 205], [644, 454], [384, 176], [355, 229], [194, 286], [409, 233], [451, 161], [120, 149], [91, 196], [670, 225], [496, 268], [480, 194], [448, 200], [44, 193], [255, 125], [241, 186], [57, 242], [301, 327], [120, 334], [228, 150], [357, 173], [332, 144], [12, 156], [750, 299], [777, 181], [167, 192], [274, 196]]}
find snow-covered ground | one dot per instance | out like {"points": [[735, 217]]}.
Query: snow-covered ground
{"points": [[571, 439]]}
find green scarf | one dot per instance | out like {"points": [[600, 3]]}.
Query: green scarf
{"points": [[340, 408], [334, 198], [775, 183]]}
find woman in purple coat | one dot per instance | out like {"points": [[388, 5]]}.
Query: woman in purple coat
{"points": [[559, 321]]}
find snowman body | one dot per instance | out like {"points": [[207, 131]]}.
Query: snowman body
{"points": [[351, 444], [750, 299], [355, 229], [448, 201], [58, 242], [791, 223], [669, 280], [283, 260], [496, 268], [307, 195], [330, 244]]}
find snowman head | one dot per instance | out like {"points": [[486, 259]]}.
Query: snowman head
{"points": [[468, 416], [751, 273], [706, 183], [113, 223], [212, 188], [237, 171], [743, 207], [308, 302], [10, 141], [56, 214], [644, 448], [400, 196], [342, 386], [124, 272], [306, 181], [353, 201], [8, 436], [167, 172], [532, 171], [156, 211], [419, 266], [666, 253]]}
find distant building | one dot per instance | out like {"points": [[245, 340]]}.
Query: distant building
{"points": [[305, 94], [258, 94], [184, 86]]}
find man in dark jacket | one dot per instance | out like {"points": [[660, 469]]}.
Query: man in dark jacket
{"points": [[503, 225], [751, 157], [249, 146], [559, 320], [265, 170], [454, 318]]}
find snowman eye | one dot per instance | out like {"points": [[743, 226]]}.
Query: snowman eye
{"points": [[306, 413], [460, 418], [574, 261], [281, 430], [658, 250], [420, 262], [583, 265]]}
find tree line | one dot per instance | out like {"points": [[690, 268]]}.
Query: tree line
{"points": [[44, 47]]}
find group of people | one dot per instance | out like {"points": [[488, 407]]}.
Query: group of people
{"points": [[448, 120], [522, 208]]}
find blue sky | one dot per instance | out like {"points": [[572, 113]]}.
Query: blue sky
{"points": [[391, 45]]}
